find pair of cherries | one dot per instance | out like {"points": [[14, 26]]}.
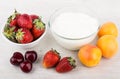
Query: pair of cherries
{"points": [[25, 63]]}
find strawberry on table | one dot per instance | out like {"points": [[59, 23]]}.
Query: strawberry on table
{"points": [[38, 28], [65, 65], [23, 35], [12, 20], [24, 21], [51, 58]]}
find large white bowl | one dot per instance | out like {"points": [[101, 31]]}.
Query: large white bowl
{"points": [[73, 43]]}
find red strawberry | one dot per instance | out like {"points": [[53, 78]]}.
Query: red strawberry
{"points": [[34, 17], [66, 64], [38, 28], [13, 23], [23, 35], [24, 21], [12, 20], [9, 32], [51, 58]]}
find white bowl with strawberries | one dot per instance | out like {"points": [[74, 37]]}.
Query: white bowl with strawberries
{"points": [[24, 30]]}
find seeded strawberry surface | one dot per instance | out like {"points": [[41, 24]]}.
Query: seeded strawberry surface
{"points": [[38, 28], [25, 21], [24, 36], [65, 65], [12, 20], [34, 17], [51, 58]]}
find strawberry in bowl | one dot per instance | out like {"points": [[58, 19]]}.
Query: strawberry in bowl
{"points": [[24, 30]]}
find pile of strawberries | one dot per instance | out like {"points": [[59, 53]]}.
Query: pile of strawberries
{"points": [[53, 59], [23, 28]]}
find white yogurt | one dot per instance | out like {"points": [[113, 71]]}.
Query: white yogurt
{"points": [[74, 25], [73, 30]]}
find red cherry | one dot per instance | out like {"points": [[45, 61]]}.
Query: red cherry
{"points": [[17, 58], [26, 66], [31, 56]]}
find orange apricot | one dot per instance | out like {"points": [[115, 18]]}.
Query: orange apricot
{"points": [[89, 55], [108, 45], [108, 28]]}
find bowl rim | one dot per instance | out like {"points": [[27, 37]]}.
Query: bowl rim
{"points": [[76, 38], [19, 44], [73, 7]]}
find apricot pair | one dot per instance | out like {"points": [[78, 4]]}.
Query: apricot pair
{"points": [[107, 41]]}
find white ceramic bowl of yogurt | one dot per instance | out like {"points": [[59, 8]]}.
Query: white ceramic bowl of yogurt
{"points": [[73, 27]]}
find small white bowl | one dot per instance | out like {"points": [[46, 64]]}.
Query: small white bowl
{"points": [[27, 45], [76, 42]]}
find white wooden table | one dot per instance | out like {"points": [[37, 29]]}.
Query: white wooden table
{"points": [[107, 10]]}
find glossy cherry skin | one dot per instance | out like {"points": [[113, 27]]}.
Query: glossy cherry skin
{"points": [[17, 58], [26, 66], [31, 56]]}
